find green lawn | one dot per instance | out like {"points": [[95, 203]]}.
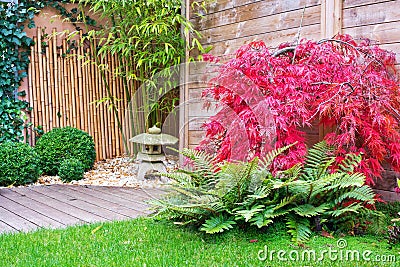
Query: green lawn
{"points": [[145, 242]]}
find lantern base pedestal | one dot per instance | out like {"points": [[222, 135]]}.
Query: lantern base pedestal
{"points": [[150, 162], [146, 166]]}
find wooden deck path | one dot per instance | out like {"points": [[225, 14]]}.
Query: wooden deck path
{"points": [[58, 206]]}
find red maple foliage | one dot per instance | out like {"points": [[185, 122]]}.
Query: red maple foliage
{"points": [[266, 98]]}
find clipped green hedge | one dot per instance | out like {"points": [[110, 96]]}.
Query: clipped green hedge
{"points": [[65, 143], [19, 164], [71, 169]]}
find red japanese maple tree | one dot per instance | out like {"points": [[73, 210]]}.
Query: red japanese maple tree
{"points": [[267, 97]]}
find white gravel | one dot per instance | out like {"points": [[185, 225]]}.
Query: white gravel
{"points": [[120, 171]]}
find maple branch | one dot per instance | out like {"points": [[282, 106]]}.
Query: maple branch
{"points": [[396, 113], [283, 50], [328, 100], [298, 34], [355, 48]]}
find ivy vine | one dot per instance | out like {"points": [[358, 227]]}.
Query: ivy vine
{"points": [[15, 47], [14, 51]]}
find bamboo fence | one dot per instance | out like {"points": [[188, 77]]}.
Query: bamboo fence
{"points": [[64, 87]]}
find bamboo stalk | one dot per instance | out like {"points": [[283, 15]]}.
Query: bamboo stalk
{"points": [[56, 79], [69, 78], [50, 84], [113, 124], [33, 102], [104, 131], [81, 114], [47, 118], [108, 110], [93, 95], [64, 85], [61, 89], [121, 108], [31, 81], [97, 96], [37, 108], [41, 80], [85, 87], [86, 93], [75, 91]]}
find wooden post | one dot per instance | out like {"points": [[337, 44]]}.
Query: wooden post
{"points": [[331, 24], [184, 92], [331, 18]]}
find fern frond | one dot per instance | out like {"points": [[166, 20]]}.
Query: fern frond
{"points": [[259, 178], [270, 212], [240, 175], [249, 213], [349, 180], [204, 164], [352, 208], [260, 192], [363, 193], [285, 201], [217, 225], [300, 187], [293, 172], [260, 220], [308, 210], [335, 182], [267, 160], [178, 176], [317, 162], [350, 162], [298, 228]]}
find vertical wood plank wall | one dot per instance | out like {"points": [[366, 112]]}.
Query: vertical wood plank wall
{"points": [[63, 90], [230, 24]]}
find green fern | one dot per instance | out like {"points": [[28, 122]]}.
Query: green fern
{"points": [[268, 159], [308, 210], [318, 160], [217, 225], [298, 228], [204, 165], [350, 162], [216, 196], [260, 220], [248, 214], [352, 208], [363, 193]]}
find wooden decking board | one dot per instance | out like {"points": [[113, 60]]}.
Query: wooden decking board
{"points": [[148, 193], [45, 195], [30, 208], [63, 206], [29, 214], [134, 196], [95, 200], [83, 203], [5, 228], [42, 208], [117, 198], [16, 221]]}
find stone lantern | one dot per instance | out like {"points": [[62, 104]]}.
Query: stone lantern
{"points": [[151, 155]]}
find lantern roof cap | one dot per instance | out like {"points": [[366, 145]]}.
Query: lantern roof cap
{"points": [[154, 139]]}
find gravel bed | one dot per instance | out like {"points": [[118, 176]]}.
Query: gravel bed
{"points": [[120, 171]]}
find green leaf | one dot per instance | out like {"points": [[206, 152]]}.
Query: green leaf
{"points": [[217, 225], [298, 228], [248, 214]]}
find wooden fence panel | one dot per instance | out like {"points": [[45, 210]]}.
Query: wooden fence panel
{"points": [[63, 89]]}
